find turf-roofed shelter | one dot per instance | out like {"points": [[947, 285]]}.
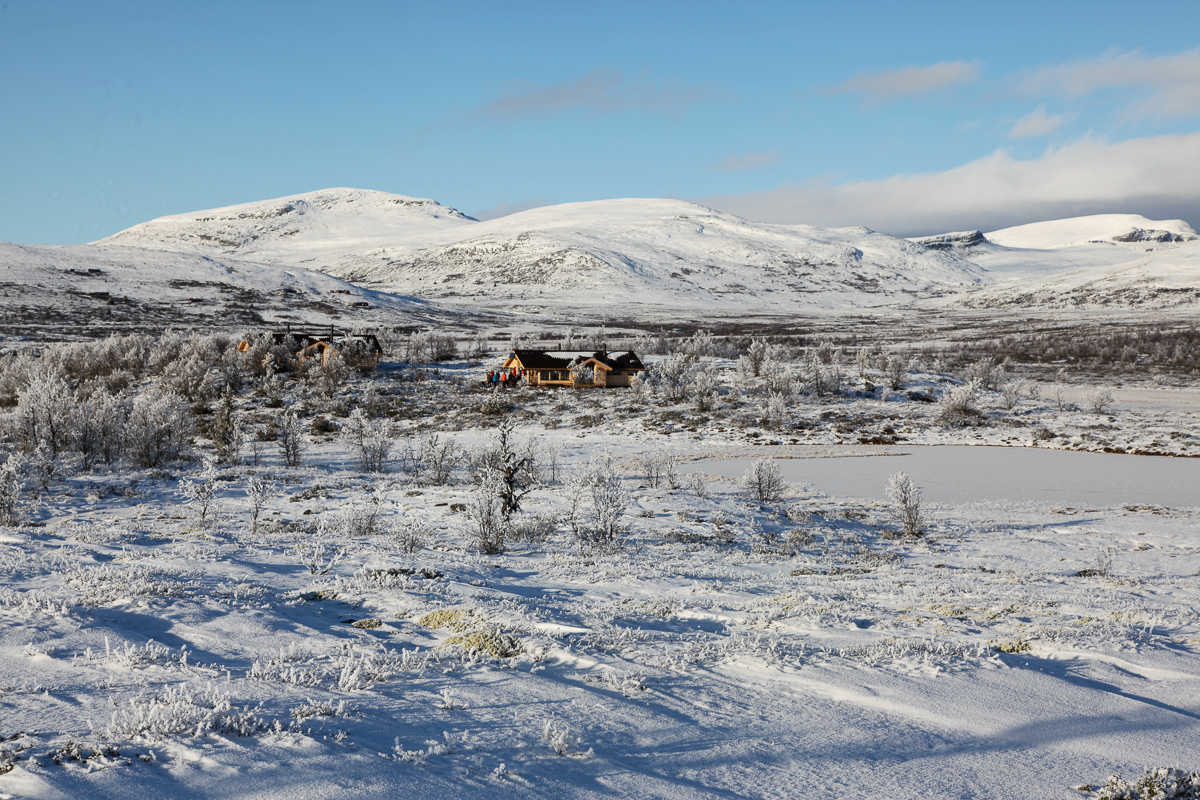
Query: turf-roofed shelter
{"points": [[572, 367]]}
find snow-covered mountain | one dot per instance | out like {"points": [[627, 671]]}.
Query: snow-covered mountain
{"points": [[317, 230], [1093, 229], [1103, 260], [642, 251]]}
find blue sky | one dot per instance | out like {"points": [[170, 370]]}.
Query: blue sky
{"points": [[905, 117]]}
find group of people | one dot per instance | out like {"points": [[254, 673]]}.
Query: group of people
{"points": [[504, 377]]}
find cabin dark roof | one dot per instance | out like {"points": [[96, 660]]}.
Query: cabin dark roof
{"points": [[542, 359], [359, 342]]}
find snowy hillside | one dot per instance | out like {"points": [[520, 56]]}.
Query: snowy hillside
{"points": [[653, 252], [316, 229], [1104, 260], [1090, 229], [81, 288], [672, 253]]}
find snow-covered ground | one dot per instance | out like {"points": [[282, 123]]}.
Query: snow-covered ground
{"points": [[731, 646]]}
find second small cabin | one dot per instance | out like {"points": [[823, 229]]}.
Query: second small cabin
{"points": [[574, 368]]}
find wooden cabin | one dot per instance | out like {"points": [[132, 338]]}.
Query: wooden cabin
{"points": [[361, 350], [559, 368]]}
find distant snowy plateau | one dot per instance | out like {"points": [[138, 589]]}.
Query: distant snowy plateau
{"points": [[335, 248]]}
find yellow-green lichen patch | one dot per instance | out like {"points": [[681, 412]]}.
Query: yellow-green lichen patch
{"points": [[493, 643], [452, 619]]}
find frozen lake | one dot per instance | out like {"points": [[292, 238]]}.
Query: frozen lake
{"points": [[956, 474]]}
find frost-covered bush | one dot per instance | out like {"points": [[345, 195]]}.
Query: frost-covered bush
{"points": [[1098, 401], [183, 711], [316, 554], [704, 390], [907, 505], [1161, 783], [435, 459], [289, 434], [506, 466], [763, 481], [596, 506], [984, 373], [200, 491], [259, 492], [227, 431], [328, 374], [368, 439], [493, 404], [10, 490], [894, 372], [534, 528], [45, 416], [672, 377], [823, 378], [775, 412], [359, 518], [408, 535], [958, 406], [486, 511], [777, 378], [159, 429]]}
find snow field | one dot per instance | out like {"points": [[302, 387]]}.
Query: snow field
{"points": [[729, 647]]}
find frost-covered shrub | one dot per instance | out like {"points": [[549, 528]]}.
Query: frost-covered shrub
{"points": [[775, 412], [316, 554], [259, 492], [436, 459], [894, 372], [823, 378], [183, 711], [493, 404], [704, 390], [557, 736], [45, 416], [202, 490], [534, 528], [958, 406], [328, 374], [407, 535], [289, 434], [907, 505], [984, 373], [1161, 783], [10, 490], [102, 584], [159, 429], [227, 430], [359, 518], [672, 377], [485, 510], [368, 439], [507, 466], [763, 481], [1098, 401], [596, 506]]}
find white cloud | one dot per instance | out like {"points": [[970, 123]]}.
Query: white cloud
{"points": [[1038, 123], [746, 162], [878, 87], [600, 91], [1158, 177], [1173, 81]]}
